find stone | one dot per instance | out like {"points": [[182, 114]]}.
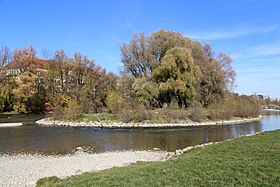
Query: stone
{"points": [[178, 152]]}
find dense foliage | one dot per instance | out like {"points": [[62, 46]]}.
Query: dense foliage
{"points": [[59, 84], [181, 69], [164, 70]]}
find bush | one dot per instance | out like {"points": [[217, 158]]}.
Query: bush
{"points": [[115, 102], [222, 110], [73, 111], [234, 106], [142, 113], [196, 112], [168, 116], [247, 107], [138, 113]]}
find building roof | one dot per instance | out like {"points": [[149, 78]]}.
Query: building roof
{"points": [[37, 63]]}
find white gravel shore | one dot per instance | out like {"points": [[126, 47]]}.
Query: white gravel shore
{"points": [[112, 124], [25, 170], [10, 124]]}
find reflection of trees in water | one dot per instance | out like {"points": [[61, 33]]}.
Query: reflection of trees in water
{"points": [[206, 139], [167, 139], [271, 113], [219, 133], [247, 128]]}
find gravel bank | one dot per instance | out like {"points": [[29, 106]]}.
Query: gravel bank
{"points": [[111, 124], [25, 170], [10, 124]]}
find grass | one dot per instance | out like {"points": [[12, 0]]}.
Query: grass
{"points": [[246, 161], [98, 117]]}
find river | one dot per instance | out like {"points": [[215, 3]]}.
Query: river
{"points": [[30, 138]]}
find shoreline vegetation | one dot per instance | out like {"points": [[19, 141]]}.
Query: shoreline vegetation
{"points": [[165, 72], [245, 161], [113, 124]]}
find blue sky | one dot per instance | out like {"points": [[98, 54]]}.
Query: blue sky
{"points": [[247, 30]]}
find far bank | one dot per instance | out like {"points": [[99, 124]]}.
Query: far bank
{"points": [[114, 124]]}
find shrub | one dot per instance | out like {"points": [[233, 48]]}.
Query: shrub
{"points": [[221, 111], [137, 113], [234, 106], [142, 113], [246, 107], [196, 112], [73, 111], [168, 115], [116, 103], [126, 115]]}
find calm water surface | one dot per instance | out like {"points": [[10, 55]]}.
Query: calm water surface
{"points": [[63, 140]]}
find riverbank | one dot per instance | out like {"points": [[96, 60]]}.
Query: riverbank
{"points": [[246, 161], [112, 124], [10, 124], [25, 170]]}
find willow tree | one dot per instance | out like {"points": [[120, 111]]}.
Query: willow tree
{"points": [[162, 41], [144, 53], [177, 76]]}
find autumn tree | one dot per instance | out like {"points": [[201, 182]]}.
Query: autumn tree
{"points": [[146, 92], [143, 58], [217, 73], [23, 91], [5, 56], [60, 59], [24, 60], [136, 56]]}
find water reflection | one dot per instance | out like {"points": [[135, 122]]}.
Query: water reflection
{"points": [[20, 118], [63, 140]]}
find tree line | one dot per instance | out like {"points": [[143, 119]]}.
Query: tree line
{"points": [[165, 70], [55, 84]]}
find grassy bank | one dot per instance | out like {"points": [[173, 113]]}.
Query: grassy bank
{"points": [[247, 161]]}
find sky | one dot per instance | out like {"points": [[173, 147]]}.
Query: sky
{"points": [[247, 30]]}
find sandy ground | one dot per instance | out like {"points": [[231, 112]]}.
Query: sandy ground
{"points": [[25, 170]]}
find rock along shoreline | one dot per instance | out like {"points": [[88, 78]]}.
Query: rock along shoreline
{"points": [[10, 124], [112, 124]]}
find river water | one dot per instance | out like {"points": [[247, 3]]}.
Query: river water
{"points": [[31, 138]]}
